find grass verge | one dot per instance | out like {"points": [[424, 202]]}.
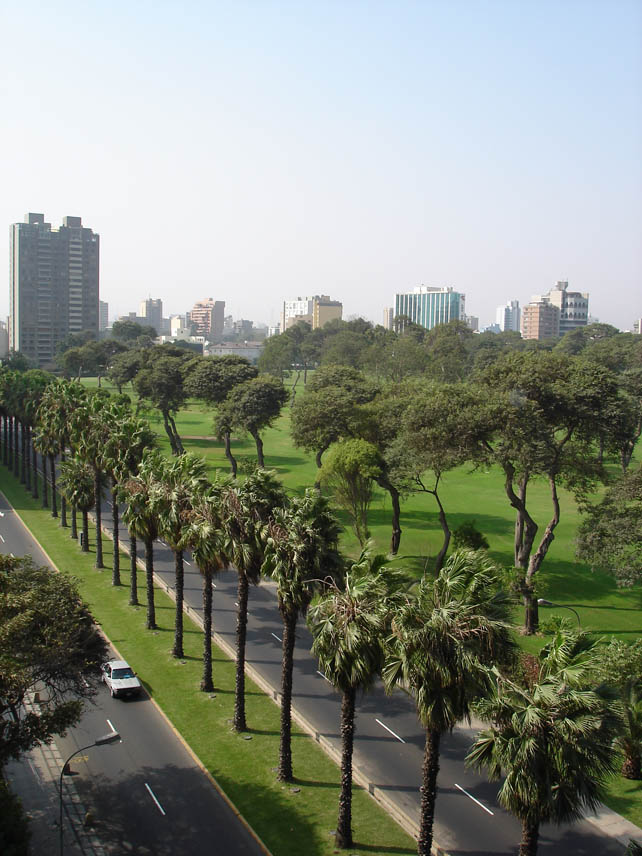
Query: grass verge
{"points": [[290, 819]]}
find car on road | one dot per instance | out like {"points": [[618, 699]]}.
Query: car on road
{"points": [[120, 678]]}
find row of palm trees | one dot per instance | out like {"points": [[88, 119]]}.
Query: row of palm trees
{"points": [[446, 640]]}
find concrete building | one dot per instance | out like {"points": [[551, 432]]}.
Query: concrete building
{"points": [[208, 316], [103, 315], [250, 350], [472, 321], [637, 326], [388, 318], [315, 311], [4, 340], [573, 306], [429, 306], [53, 285], [541, 320], [152, 311], [509, 316]]}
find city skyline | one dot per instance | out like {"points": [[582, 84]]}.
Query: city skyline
{"points": [[258, 152]]}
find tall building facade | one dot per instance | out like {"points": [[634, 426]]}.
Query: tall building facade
{"points": [[315, 311], [573, 306], [429, 306], [540, 320], [54, 284], [509, 317], [152, 311], [103, 315], [207, 317]]}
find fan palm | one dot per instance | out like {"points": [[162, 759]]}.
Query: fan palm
{"points": [[441, 639], [300, 547], [206, 537], [349, 623], [630, 740], [553, 740], [247, 508], [141, 520], [77, 483], [181, 482]]}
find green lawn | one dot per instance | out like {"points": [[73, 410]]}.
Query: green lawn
{"points": [[289, 819]]}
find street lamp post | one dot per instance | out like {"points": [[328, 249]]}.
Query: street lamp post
{"points": [[543, 602], [112, 737]]}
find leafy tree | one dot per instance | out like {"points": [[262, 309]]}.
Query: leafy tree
{"points": [[448, 347], [277, 356], [16, 362], [160, 381], [350, 470], [468, 537], [40, 651], [300, 547], [552, 741], [543, 415], [213, 378], [442, 638], [246, 509], [610, 536], [130, 331], [349, 623], [255, 405], [124, 367]]}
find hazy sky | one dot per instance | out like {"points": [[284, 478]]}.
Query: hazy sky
{"points": [[253, 151]]}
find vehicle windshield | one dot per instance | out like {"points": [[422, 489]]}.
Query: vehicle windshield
{"points": [[119, 674]]}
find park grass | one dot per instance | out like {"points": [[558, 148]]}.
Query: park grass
{"points": [[290, 819]]}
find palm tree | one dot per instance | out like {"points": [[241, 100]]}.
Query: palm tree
{"points": [[441, 639], [77, 482], [300, 547], [141, 520], [630, 740], [206, 538], [552, 740], [247, 508], [128, 438], [349, 623], [181, 482]]}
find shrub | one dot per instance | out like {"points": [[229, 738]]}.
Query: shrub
{"points": [[468, 537]]}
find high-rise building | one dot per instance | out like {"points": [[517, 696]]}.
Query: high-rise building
{"points": [[573, 306], [53, 285], [152, 311], [208, 316], [429, 306], [637, 326], [509, 316], [540, 320], [388, 317], [315, 311], [103, 315]]}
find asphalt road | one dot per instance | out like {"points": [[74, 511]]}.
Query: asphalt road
{"points": [[146, 793], [389, 739]]}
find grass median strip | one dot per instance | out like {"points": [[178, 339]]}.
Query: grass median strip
{"points": [[295, 818]]}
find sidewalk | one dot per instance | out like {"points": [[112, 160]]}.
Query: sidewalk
{"points": [[35, 778]]}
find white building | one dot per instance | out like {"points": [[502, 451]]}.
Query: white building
{"points": [[509, 316]]}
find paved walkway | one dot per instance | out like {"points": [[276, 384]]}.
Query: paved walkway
{"points": [[35, 779]]}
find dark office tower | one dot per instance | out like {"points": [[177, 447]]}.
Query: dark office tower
{"points": [[53, 285]]}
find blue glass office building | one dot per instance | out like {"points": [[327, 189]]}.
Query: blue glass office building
{"points": [[431, 306]]}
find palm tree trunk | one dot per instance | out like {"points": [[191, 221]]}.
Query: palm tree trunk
{"points": [[179, 574], [228, 452], [207, 684], [85, 530], [343, 837], [133, 588], [5, 447], [632, 766], [287, 663], [115, 576], [530, 834], [45, 486], [16, 451], [74, 523], [23, 450], [34, 467], [8, 440], [149, 578], [428, 791], [99, 533], [240, 723], [54, 498], [63, 502], [26, 452]]}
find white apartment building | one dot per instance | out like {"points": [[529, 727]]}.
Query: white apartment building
{"points": [[509, 316]]}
